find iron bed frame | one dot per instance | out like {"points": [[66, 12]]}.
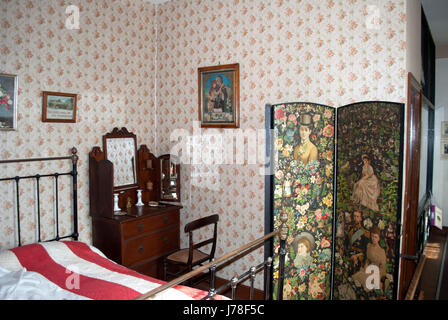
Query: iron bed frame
{"points": [[267, 265], [73, 173]]}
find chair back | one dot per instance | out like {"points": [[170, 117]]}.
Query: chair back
{"points": [[197, 224]]}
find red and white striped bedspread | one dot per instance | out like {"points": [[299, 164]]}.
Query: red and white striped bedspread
{"points": [[81, 271]]}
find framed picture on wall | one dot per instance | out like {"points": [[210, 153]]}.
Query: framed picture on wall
{"points": [[444, 132], [59, 107], [444, 149], [219, 96], [8, 101]]}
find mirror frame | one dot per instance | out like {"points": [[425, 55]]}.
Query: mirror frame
{"points": [[177, 167], [118, 134]]}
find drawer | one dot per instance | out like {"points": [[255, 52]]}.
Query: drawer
{"points": [[146, 225], [150, 246]]}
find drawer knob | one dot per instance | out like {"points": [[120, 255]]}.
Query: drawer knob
{"points": [[140, 227], [165, 239], [165, 219], [140, 249]]}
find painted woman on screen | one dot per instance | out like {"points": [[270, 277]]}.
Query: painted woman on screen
{"points": [[305, 151], [303, 244], [376, 256], [367, 189]]}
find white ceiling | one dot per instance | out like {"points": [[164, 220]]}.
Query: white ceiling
{"points": [[436, 12]]}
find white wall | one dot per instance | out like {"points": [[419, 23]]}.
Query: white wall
{"points": [[440, 183]]}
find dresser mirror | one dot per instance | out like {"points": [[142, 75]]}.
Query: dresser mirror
{"points": [[169, 178], [120, 148]]}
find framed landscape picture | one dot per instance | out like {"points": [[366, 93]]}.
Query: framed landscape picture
{"points": [[59, 107], [219, 96], [8, 101]]}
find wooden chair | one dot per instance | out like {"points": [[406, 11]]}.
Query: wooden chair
{"points": [[186, 259]]}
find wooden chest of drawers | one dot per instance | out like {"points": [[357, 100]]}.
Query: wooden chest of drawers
{"points": [[139, 242]]}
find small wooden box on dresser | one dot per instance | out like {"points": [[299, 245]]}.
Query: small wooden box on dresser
{"points": [[139, 236]]}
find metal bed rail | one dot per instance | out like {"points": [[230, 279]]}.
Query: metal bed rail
{"points": [[74, 173], [265, 265], [282, 232]]}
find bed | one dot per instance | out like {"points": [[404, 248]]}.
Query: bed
{"points": [[63, 268], [74, 270]]}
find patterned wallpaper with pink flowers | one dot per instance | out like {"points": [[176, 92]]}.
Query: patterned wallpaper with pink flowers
{"points": [[332, 52], [135, 64], [109, 62]]}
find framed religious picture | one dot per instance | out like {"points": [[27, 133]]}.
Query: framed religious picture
{"points": [[219, 96], [8, 101], [59, 107]]}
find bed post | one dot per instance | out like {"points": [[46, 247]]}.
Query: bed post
{"points": [[267, 278], [212, 290], [75, 192], [17, 179], [252, 282], [233, 285], [282, 252]]}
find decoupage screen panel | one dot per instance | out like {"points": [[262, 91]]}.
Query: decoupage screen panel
{"points": [[368, 199], [303, 188]]}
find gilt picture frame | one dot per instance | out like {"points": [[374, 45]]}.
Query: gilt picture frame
{"points": [[8, 101], [218, 95], [59, 107]]}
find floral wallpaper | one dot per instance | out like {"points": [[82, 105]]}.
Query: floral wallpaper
{"points": [[331, 52], [109, 62], [135, 64]]}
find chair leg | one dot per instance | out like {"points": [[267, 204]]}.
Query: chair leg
{"points": [[188, 282], [165, 266]]}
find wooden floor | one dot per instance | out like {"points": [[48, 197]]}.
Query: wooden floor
{"points": [[442, 293], [434, 279]]}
